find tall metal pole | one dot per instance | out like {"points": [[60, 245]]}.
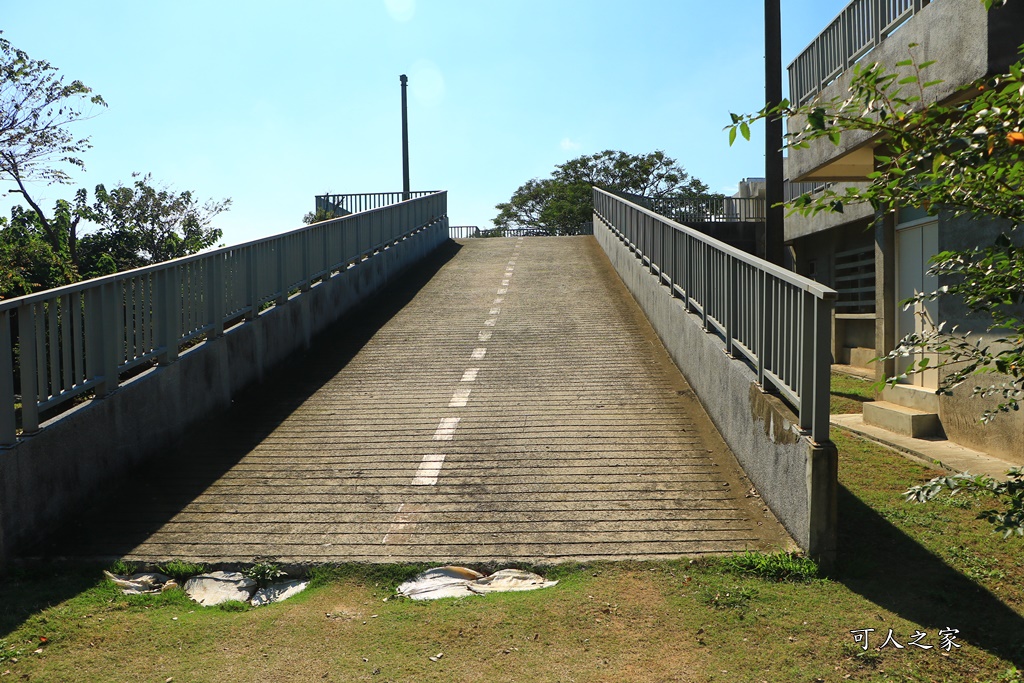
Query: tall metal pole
{"points": [[405, 138], [774, 233]]}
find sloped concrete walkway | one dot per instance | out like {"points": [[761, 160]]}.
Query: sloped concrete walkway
{"points": [[517, 407]]}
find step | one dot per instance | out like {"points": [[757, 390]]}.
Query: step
{"points": [[902, 420]]}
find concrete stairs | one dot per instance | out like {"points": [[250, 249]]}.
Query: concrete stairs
{"points": [[902, 420]]}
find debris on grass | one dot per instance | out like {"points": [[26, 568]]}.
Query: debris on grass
{"points": [[460, 582], [141, 583], [276, 592]]}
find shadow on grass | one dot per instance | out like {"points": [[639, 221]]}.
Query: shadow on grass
{"points": [[889, 568], [131, 510]]}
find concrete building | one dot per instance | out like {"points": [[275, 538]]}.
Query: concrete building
{"points": [[875, 264]]}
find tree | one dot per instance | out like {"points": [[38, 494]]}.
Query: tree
{"points": [[563, 204], [965, 158], [320, 214], [27, 260], [36, 109], [142, 224]]}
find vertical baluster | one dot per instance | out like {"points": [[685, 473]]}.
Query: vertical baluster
{"points": [[807, 351], [8, 426], [763, 323], [43, 383], [215, 294], [29, 370], [68, 379], [121, 329], [282, 276], [131, 321], [168, 294], [78, 337], [53, 338], [252, 296], [112, 351]]}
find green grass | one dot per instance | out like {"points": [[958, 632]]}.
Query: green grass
{"points": [[747, 617], [180, 571], [849, 393]]}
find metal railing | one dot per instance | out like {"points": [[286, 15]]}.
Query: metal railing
{"points": [[344, 204], [777, 321], [705, 210], [858, 29], [83, 337], [462, 232], [719, 210]]}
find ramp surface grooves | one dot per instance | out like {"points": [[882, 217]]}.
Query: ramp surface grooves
{"points": [[517, 406]]}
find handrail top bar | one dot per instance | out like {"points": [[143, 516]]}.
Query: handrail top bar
{"points": [[806, 284], [46, 294], [422, 193]]}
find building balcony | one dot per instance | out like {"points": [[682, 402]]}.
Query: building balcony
{"points": [[966, 41]]}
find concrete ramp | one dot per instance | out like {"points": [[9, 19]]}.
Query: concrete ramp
{"points": [[515, 407]]}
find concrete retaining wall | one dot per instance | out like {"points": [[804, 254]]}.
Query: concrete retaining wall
{"points": [[795, 477], [49, 474]]}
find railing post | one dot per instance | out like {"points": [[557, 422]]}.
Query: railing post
{"points": [[307, 279], [215, 295], [806, 355], [111, 345], [705, 284], [821, 368], [169, 317], [27, 363], [282, 286], [8, 426], [731, 304], [761, 320], [687, 272], [252, 282]]}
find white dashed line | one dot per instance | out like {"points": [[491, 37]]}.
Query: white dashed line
{"points": [[495, 311], [468, 376], [485, 335], [478, 354], [504, 283], [503, 291], [429, 470], [446, 429], [459, 398], [498, 300], [490, 322]]}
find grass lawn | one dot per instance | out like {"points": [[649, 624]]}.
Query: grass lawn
{"points": [[902, 566], [849, 392]]}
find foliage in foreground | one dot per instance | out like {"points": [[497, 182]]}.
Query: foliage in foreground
{"points": [[1010, 493], [965, 158]]}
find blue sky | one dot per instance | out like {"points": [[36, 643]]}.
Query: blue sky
{"points": [[270, 104]]}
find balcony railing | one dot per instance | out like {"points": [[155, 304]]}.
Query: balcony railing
{"points": [[777, 321], [84, 337], [858, 29]]}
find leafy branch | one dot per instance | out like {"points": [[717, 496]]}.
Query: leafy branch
{"points": [[1010, 493]]}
